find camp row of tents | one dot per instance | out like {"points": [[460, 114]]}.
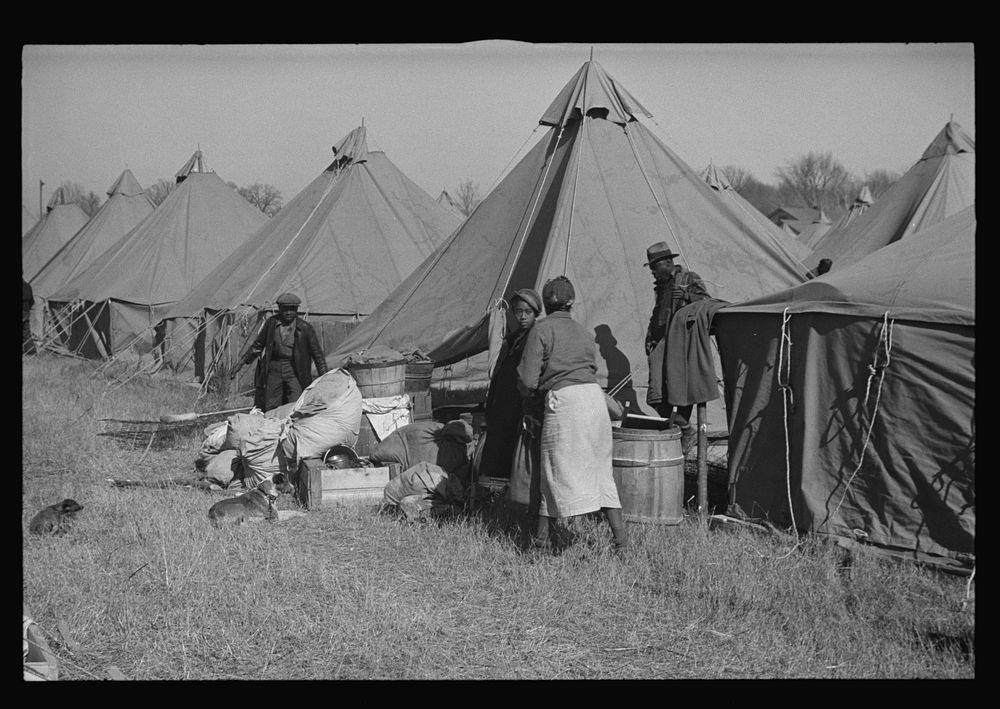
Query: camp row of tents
{"points": [[884, 458]]}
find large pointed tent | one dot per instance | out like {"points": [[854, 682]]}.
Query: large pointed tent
{"points": [[342, 245], [716, 179], [28, 220], [61, 221], [126, 206], [118, 300], [585, 201], [875, 442], [941, 183]]}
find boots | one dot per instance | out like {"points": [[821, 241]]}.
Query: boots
{"points": [[617, 522]]}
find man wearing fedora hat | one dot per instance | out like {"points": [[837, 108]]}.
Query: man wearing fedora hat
{"points": [[287, 347], [674, 288]]}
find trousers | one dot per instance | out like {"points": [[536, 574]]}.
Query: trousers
{"points": [[282, 386]]}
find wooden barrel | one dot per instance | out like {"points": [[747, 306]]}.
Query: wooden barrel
{"points": [[420, 405], [379, 379], [648, 468], [418, 376]]}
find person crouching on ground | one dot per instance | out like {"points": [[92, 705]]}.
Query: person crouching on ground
{"points": [[287, 348], [559, 363]]}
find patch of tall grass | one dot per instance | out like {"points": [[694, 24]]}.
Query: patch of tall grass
{"points": [[144, 583]]}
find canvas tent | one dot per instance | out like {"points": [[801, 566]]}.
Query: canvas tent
{"points": [[715, 179], [28, 220], [811, 234], [61, 221], [586, 201], [116, 302], [878, 363], [126, 206], [941, 183], [342, 245], [859, 206]]}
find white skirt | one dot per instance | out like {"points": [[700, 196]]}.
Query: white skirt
{"points": [[576, 469]]}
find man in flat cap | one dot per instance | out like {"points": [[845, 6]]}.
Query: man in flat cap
{"points": [[674, 288], [287, 347]]}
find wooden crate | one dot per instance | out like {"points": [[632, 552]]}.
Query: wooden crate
{"points": [[319, 486]]}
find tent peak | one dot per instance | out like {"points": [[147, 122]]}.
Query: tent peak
{"points": [[126, 184], [352, 148], [58, 197], [716, 178], [593, 89], [950, 141], [194, 164]]}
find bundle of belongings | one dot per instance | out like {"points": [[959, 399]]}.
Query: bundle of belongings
{"points": [[435, 459], [247, 449]]}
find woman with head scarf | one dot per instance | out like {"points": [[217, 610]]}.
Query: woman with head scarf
{"points": [[559, 364], [504, 407]]}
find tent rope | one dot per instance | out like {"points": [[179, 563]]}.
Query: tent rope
{"points": [[503, 172], [439, 254], [787, 401], [656, 198], [875, 369], [531, 213], [576, 177], [329, 188]]}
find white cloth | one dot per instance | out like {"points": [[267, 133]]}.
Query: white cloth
{"points": [[576, 469], [387, 413]]}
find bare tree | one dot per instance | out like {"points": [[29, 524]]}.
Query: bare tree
{"points": [[158, 191], [765, 198], [88, 200], [738, 177], [879, 181], [817, 179], [467, 196], [266, 198]]}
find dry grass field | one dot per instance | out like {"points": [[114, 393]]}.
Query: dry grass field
{"points": [[143, 583]]}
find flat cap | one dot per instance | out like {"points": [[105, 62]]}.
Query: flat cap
{"points": [[289, 299]]}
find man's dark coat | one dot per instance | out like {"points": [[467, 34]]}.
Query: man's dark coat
{"points": [[305, 352]]}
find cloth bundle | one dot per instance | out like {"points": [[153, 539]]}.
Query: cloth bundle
{"points": [[447, 446], [327, 414]]}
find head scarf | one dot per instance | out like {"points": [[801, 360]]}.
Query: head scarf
{"points": [[529, 296]]}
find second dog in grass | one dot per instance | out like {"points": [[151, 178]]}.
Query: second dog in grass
{"points": [[55, 519], [253, 505]]}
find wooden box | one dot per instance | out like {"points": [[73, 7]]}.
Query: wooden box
{"points": [[318, 485]]}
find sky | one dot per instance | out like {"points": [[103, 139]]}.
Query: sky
{"points": [[447, 113]]}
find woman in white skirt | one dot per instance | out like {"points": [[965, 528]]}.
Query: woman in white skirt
{"points": [[559, 363]]}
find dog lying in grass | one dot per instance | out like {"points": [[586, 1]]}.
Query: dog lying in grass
{"points": [[253, 505], [55, 519]]}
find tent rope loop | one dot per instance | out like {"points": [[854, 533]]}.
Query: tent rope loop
{"points": [[784, 370], [875, 369]]}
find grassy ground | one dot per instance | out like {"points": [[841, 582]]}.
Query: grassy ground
{"points": [[144, 583]]}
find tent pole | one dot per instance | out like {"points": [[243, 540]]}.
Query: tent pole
{"points": [[702, 460]]}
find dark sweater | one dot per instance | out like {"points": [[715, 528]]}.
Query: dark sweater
{"points": [[559, 352]]}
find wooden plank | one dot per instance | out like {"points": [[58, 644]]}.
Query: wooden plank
{"points": [[354, 478], [318, 485]]}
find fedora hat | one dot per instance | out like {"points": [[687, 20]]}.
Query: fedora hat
{"points": [[658, 251]]}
